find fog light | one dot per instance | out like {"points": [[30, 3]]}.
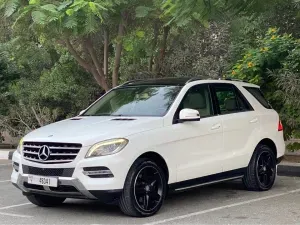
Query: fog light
{"points": [[16, 166], [97, 172]]}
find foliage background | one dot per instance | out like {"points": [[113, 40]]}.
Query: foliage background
{"points": [[56, 57]]}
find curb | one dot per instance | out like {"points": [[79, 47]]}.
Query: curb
{"points": [[296, 153], [288, 170], [6, 154], [10, 154]]}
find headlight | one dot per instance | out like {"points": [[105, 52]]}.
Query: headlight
{"points": [[20, 146], [108, 147]]}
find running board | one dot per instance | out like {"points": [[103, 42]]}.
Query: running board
{"points": [[211, 179]]}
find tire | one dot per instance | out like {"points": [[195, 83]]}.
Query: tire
{"points": [[145, 178], [45, 201], [261, 171]]}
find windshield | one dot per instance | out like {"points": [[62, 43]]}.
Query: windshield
{"points": [[135, 101]]}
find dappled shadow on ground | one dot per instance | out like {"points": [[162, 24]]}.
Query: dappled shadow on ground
{"points": [[226, 189], [91, 206]]}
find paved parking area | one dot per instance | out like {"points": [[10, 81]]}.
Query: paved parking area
{"points": [[226, 203]]}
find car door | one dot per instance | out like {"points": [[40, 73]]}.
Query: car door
{"points": [[198, 143], [240, 125]]}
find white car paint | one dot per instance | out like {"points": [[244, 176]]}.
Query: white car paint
{"points": [[193, 149]]}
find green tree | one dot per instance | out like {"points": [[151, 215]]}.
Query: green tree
{"points": [[183, 12], [89, 29], [85, 28], [39, 84], [273, 63], [55, 94], [268, 54]]}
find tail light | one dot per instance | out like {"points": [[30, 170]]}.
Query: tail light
{"points": [[280, 126]]}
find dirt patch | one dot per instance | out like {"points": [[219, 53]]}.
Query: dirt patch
{"points": [[292, 158]]}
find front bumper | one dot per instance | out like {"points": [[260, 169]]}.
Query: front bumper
{"points": [[67, 188], [74, 184]]}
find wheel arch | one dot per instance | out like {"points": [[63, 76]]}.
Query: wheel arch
{"points": [[270, 143], [158, 159]]}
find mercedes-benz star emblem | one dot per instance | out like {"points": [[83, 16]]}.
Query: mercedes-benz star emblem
{"points": [[44, 153]]}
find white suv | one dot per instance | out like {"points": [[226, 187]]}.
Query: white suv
{"points": [[146, 138]]}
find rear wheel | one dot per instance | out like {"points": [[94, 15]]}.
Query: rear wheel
{"points": [[144, 190], [261, 172], [45, 201]]}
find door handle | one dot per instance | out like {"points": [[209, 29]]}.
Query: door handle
{"points": [[216, 126], [255, 120]]}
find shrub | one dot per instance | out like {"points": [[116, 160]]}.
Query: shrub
{"points": [[274, 64]]}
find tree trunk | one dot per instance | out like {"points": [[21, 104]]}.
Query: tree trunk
{"points": [[106, 45], [162, 51], [95, 69], [37, 117], [80, 60], [95, 73], [97, 63], [155, 34], [119, 46]]}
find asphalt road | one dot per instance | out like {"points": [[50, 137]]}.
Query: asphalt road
{"points": [[226, 203]]}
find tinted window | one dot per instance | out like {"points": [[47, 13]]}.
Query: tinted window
{"points": [[198, 98], [135, 101], [256, 92], [242, 102], [230, 100]]}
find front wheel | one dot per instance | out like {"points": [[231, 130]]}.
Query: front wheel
{"points": [[261, 171], [144, 190], [45, 201]]}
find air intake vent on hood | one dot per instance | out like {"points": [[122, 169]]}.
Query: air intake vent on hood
{"points": [[124, 119]]}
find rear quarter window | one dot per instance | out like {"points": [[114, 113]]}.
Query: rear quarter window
{"points": [[257, 93]]}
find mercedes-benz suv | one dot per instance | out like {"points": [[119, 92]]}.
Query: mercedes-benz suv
{"points": [[144, 139]]}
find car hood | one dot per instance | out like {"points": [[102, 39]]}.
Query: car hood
{"points": [[92, 129]]}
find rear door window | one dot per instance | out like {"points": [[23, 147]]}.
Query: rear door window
{"points": [[229, 99]]}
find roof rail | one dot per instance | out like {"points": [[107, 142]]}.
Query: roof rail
{"points": [[193, 79], [234, 79], [128, 82]]}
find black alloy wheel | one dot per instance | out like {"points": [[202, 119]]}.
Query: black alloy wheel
{"points": [[266, 168], [144, 190], [261, 171], [148, 188]]}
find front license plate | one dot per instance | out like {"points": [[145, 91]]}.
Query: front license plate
{"points": [[45, 181]]}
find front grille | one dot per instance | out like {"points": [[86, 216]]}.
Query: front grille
{"points": [[58, 152], [52, 172]]}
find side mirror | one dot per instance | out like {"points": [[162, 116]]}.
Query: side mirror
{"points": [[81, 112], [186, 115]]}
